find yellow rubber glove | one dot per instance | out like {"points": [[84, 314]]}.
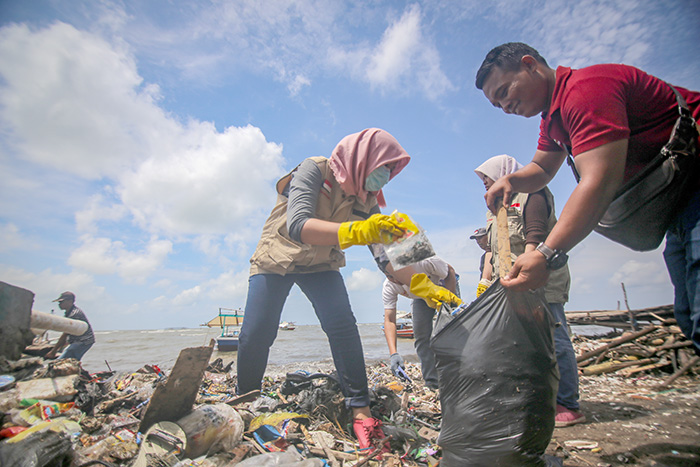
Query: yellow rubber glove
{"points": [[482, 286], [433, 294], [379, 228], [405, 222]]}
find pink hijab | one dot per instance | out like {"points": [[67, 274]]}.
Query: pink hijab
{"points": [[497, 167], [358, 154]]}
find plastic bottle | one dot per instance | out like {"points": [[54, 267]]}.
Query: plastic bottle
{"points": [[210, 428]]}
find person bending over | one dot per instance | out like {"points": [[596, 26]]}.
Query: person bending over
{"points": [[614, 119]]}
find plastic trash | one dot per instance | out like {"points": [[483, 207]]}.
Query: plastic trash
{"points": [[210, 428], [289, 458], [6, 382], [61, 425], [413, 247], [498, 380], [61, 389]]}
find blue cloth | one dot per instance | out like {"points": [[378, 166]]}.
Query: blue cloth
{"points": [[326, 291], [682, 256], [422, 330], [567, 394], [76, 350]]}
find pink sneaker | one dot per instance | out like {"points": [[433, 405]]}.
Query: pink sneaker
{"points": [[368, 431], [568, 417]]}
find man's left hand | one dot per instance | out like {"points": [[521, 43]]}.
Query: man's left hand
{"points": [[529, 272]]}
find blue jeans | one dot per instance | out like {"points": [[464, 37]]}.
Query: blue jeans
{"points": [[422, 330], [326, 291], [682, 256], [567, 395], [75, 350]]}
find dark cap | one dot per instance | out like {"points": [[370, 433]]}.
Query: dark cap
{"points": [[480, 232], [66, 296]]}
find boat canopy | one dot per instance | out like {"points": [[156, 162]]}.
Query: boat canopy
{"points": [[226, 317]]}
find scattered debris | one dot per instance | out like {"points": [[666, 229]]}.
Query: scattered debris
{"points": [[55, 413]]}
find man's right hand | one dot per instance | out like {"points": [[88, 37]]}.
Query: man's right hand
{"points": [[528, 272], [395, 361], [499, 193]]}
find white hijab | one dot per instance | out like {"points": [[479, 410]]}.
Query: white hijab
{"points": [[497, 167]]}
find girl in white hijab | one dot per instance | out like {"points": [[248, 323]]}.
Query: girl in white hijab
{"points": [[497, 167]]}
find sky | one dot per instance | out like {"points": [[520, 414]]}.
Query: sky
{"points": [[140, 141]]}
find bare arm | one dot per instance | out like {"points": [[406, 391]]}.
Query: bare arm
{"points": [[602, 172], [451, 280], [58, 347], [488, 267], [390, 329], [319, 232], [533, 177]]}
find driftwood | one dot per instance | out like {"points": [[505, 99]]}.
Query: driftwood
{"points": [[616, 342], [609, 367], [620, 319], [657, 347], [693, 361]]}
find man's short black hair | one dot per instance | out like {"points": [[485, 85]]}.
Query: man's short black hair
{"points": [[507, 57]]}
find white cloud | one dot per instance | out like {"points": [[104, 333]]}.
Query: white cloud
{"points": [[213, 183], [188, 297], [11, 238], [364, 279], [405, 59], [73, 102], [48, 285], [104, 256], [640, 273], [598, 266], [228, 288], [98, 209]]}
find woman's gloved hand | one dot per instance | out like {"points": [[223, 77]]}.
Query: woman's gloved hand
{"points": [[379, 228], [396, 362], [433, 294], [482, 286]]}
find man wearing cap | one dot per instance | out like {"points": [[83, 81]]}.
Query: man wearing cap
{"points": [[485, 268], [77, 345]]}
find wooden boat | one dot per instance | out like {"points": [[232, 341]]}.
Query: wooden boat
{"points": [[404, 325], [404, 330], [287, 326], [230, 321]]}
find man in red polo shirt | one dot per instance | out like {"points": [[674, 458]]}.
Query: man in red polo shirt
{"points": [[615, 119]]}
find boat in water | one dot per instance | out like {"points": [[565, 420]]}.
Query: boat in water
{"points": [[230, 321], [404, 330], [404, 325], [287, 326]]}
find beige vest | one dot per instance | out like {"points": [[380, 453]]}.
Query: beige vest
{"points": [[557, 288], [277, 253]]}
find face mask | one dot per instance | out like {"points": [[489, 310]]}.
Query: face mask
{"points": [[377, 178]]}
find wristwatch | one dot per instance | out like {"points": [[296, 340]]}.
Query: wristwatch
{"points": [[556, 259]]}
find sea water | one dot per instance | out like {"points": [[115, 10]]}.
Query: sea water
{"points": [[304, 348]]}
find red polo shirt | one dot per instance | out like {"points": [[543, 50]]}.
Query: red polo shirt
{"points": [[605, 103]]}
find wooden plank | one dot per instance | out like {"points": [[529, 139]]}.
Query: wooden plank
{"points": [[505, 262], [174, 399]]}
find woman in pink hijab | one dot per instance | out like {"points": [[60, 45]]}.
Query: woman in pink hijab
{"points": [[323, 206]]}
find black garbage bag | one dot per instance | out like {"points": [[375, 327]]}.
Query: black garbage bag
{"points": [[43, 449], [498, 380]]}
